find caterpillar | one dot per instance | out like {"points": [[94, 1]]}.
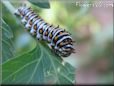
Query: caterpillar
{"points": [[58, 39]]}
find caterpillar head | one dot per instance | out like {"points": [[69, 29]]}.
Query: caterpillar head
{"points": [[67, 50], [65, 46]]}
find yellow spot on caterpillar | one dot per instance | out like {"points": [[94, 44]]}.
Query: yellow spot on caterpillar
{"points": [[46, 33], [61, 44], [56, 38], [41, 31], [60, 33], [35, 27], [30, 22], [50, 35]]}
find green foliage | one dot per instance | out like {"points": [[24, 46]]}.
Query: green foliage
{"points": [[40, 3], [39, 66], [7, 44]]}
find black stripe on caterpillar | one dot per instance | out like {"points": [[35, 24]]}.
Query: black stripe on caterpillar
{"points": [[58, 39]]}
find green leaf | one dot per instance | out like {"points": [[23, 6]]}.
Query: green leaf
{"points": [[40, 3], [39, 66], [7, 45]]}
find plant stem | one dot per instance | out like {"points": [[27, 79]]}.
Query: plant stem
{"points": [[9, 6]]}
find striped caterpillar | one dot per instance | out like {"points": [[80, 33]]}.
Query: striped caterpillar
{"points": [[58, 39]]}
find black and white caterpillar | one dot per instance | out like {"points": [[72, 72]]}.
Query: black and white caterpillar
{"points": [[58, 39]]}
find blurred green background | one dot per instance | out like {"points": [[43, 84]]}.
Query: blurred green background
{"points": [[91, 28]]}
